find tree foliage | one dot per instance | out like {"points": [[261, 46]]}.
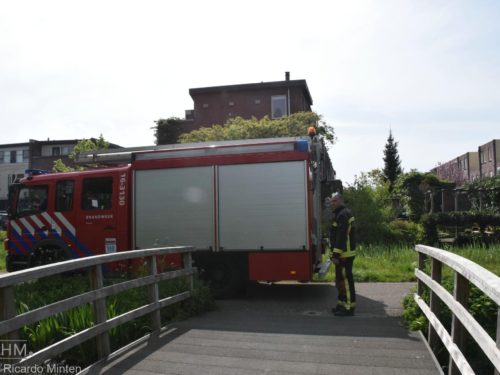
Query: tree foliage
{"points": [[365, 197], [294, 125], [411, 188], [484, 194], [83, 145], [392, 163], [167, 130]]}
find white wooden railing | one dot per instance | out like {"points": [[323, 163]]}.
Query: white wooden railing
{"points": [[11, 322], [466, 272]]}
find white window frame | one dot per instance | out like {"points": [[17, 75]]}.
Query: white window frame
{"points": [[276, 99]]}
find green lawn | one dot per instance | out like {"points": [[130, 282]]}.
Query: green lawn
{"points": [[398, 263], [387, 263]]}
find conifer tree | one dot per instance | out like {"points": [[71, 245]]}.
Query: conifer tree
{"points": [[392, 163]]}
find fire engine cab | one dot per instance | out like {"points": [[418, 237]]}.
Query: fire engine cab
{"points": [[251, 208]]}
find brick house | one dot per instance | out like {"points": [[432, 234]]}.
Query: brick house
{"points": [[448, 171], [489, 158], [468, 168], [15, 158], [217, 104]]}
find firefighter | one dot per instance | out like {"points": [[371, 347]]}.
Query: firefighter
{"points": [[343, 246]]}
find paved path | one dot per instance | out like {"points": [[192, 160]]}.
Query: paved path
{"points": [[287, 329]]}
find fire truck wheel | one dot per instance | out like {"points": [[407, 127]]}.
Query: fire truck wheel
{"points": [[47, 254], [224, 278]]}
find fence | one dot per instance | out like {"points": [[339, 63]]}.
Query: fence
{"points": [[11, 322], [465, 272]]}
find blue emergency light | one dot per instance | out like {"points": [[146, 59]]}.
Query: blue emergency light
{"points": [[35, 172], [302, 145]]}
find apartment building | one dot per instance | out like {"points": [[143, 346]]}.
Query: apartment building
{"points": [[15, 158], [472, 165], [218, 104], [489, 158]]}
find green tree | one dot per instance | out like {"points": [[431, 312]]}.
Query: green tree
{"points": [[484, 194], [367, 197], [411, 188], [83, 145], [295, 125], [167, 130], [392, 163]]}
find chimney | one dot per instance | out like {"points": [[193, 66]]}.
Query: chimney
{"points": [[287, 76]]}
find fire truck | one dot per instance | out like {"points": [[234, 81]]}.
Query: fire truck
{"points": [[251, 208]]}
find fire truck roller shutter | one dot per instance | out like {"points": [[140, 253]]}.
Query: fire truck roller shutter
{"points": [[174, 207], [263, 206]]}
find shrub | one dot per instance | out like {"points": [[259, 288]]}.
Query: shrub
{"points": [[30, 296], [431, 222], [406, 232]]}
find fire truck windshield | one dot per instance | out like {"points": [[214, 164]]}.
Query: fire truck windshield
{"points": [[31, 199]]}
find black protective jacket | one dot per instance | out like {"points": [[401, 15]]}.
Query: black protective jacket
{"points": [[342, 236]]}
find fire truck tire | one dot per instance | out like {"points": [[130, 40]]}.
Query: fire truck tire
{"points": [[48, 253]]}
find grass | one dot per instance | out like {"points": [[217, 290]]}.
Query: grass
{"points": [[397, 263]]}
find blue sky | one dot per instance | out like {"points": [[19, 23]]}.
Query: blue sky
{"points": [[428, 70]]}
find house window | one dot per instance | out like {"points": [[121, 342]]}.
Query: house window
{"points": [[12, 178], [56, 151], [19, 156], [65, 150], [26, 155], [1, 157], [205, 105], [13, 156], [278, 106]]}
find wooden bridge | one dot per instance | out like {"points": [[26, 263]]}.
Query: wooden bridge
{"points": [[282, 328]]}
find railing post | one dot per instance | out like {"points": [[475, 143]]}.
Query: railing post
{"points": [[8, 311], [96, 282], [461, 294], [498, 336], [421, 265], [434, 304], [188, 265], [8, 308], [154, 296]]}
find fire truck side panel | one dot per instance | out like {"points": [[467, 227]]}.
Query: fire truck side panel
{"points": [[263, 206], [276, 266], [174, 207]]}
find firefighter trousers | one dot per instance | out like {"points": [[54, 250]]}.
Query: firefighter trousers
{"points": [[344, 281]]}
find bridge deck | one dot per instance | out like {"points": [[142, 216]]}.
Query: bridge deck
{"points": [[286, 329]]}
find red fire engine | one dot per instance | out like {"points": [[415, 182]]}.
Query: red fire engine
{"points": [[251, 208]]}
